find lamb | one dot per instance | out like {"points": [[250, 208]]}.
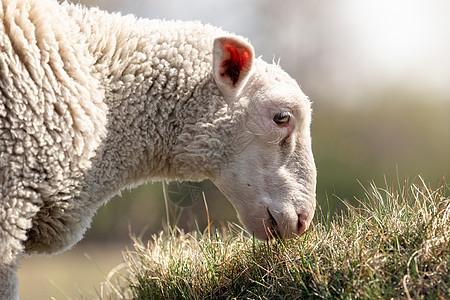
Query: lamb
{"points": [[93, 102]]}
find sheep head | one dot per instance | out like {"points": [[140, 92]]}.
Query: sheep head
{"points": [[270, 175]]}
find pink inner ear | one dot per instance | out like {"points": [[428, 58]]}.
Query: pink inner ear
{"points": [[238, 61]]}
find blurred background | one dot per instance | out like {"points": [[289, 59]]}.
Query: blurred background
{"points": [[378, 74]]}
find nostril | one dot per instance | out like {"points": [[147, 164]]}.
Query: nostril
{"points": [[301, 224]]}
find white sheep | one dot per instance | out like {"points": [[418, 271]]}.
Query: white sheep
{"points": [[93, 102]]}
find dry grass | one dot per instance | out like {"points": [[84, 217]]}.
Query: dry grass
{"points": [[394, 245]]}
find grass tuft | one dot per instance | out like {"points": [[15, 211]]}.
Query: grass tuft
{"points": [[395, 244]]}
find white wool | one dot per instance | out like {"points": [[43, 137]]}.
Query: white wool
{"points": [[93, 102]]}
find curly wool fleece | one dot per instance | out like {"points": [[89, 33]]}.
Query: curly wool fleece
{"points": [[73, 77], [93, 102]]}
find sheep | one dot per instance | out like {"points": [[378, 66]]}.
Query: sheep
{"points": [[93, 102]]}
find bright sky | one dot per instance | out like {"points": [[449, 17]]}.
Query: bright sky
{"points": [[403, 37]]}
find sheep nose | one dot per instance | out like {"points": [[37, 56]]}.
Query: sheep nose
{"points": [[302, 224]]}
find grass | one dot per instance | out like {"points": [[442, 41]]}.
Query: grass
{"points": [[395, 244]]}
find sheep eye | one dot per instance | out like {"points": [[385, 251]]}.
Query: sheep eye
{"points": [[281, 118]]}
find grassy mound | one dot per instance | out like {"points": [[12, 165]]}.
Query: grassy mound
{"points": [[396, 244]]}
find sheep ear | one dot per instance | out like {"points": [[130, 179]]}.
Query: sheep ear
{"points": [[232, 64]]}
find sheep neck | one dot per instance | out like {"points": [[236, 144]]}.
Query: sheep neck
{"points": [[157, 80]]}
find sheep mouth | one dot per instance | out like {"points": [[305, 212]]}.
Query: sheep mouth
{"points": [[272, 227]]}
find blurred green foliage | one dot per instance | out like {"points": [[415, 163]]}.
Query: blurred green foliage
{"points": [[396, 134]]}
